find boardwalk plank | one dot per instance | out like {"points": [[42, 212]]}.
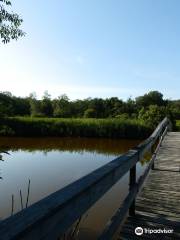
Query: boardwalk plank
{"points": [[158, 203]]}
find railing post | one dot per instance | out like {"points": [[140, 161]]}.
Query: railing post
{"points": [[152, 152], [160, 140], [132, 182]]}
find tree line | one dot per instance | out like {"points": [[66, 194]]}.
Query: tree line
{"points": [[63, 107]]}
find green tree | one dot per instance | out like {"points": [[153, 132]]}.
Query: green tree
{"points": [[21, 106], [97, 104], [62, 107], [112, 107], [174, 107], [35, 105], [90, 113], [78, 107], [46, 105], [9, 23], [6, 104], [130, 107], [153, 115], [151, 98]]}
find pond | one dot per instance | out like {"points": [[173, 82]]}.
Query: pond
{"points": [[52, 163]]}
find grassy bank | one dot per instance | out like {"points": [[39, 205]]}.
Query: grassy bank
{"points": [[178, 125], [40, 127]]}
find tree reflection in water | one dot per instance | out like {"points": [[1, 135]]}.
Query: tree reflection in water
{"points": [[1, 157]]}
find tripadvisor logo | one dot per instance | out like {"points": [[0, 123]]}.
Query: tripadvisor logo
{"points": [[138, 231]]}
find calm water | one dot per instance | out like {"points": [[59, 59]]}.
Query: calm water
{"points": [[52, 163]]}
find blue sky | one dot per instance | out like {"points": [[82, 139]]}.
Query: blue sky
{"points": [[94, 48]]}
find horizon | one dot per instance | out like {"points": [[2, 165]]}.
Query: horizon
{"points": [[94, 49], [40, 96], [89, 97]]}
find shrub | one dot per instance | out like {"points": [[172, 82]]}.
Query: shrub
{"points": [[154, 115]]}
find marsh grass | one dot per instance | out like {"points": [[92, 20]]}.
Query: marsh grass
{"points": [[73, 127], [178, 125]]}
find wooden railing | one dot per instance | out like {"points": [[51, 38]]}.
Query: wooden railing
{"points": [[51, 217]]}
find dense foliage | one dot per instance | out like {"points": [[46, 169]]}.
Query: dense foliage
{"points": [[9, 23], [30, 115], [89, 108]]}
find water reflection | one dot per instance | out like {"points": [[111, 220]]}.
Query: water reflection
{"points": [[1, 156], [52, 163], [105, 146]]}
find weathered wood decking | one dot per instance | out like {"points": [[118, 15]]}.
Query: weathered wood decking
{"points": [[158, 204]]}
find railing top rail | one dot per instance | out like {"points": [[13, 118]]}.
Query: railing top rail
{"points": [[69, 203], [155, 134]]}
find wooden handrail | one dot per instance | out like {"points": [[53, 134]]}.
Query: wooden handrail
{"points": [[118, 218], [50, 217]]}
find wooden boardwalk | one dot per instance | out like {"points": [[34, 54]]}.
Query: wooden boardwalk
{"points": [[158, 203]]}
